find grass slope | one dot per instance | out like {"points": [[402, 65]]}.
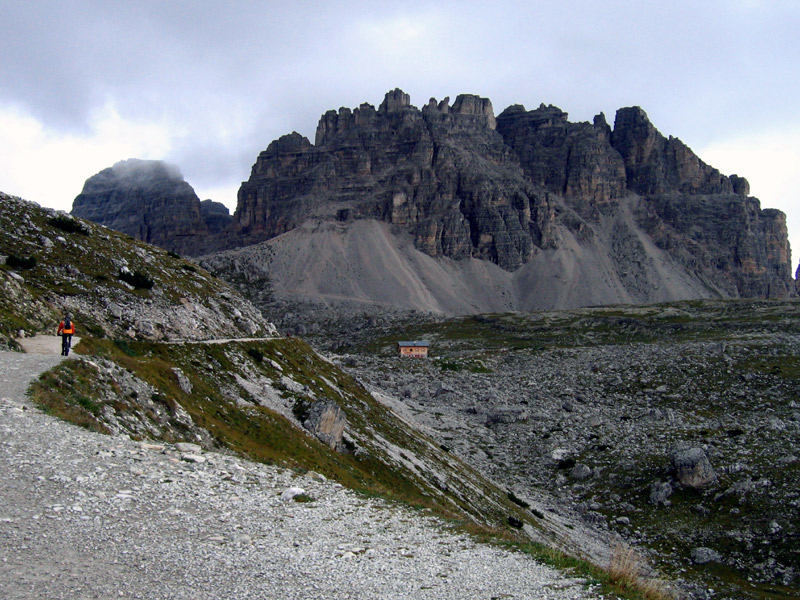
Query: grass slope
{"points": [[51, 262]]}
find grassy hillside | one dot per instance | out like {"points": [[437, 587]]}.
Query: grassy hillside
{"points": [[114, 285], [225, 399]]}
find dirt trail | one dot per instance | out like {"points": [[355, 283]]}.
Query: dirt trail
{"points": [[45, 344]]}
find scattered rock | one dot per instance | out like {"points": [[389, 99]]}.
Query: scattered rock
{"points": [[115, 310], [327, 422], [660, 492], [290, 493], [183, 381], [580, 471], [188, 447], [691, 467], [702, 556]]}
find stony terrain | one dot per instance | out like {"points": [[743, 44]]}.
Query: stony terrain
{"points": [[326, 270], [599, 422], [268, 398], [83, 515], [674, 426]]}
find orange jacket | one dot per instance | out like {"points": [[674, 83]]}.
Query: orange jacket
{"points": [[69, 331]]}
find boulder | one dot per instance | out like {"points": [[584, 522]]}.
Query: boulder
{"points": [[701, 556], [660, 492], [691, 467], [327, 422], [580, 471], [292, 492], [183, 380]]}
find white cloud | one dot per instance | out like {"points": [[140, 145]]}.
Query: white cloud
{"points": [[50, 167], [223, 193]]}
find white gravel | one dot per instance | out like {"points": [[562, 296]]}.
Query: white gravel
{"points": [[84, 516]]}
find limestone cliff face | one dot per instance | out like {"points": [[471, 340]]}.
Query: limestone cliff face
{"points": [[655, 164], [467, 184], [701, 217], [525, 189], [150, 201], [574, 160], [442, 172], [216, 216], [741, 249]]}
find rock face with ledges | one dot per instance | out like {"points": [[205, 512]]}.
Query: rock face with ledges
{"points": [[442, 172], [467, 184], [573, 160], [655, 164]]}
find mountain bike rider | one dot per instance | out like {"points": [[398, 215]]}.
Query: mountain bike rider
{"points": [[65, 329]]}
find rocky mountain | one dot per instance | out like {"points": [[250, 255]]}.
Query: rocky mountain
{"points": [[150, 201], [465, 184], [525, 210]]}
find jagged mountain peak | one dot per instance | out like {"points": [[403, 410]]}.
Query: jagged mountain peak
{"points": [[520, 190]]}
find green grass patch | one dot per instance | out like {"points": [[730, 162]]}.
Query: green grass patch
{"points": [[68, 392]]}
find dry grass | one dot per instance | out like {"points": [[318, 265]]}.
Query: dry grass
{"points": [[629, 570]]}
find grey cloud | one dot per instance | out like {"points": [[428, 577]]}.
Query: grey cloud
{"points": [[233, 76]]}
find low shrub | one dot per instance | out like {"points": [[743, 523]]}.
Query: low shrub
{"points": [[515, 522], [256, 354], [68, 224], [20, 262], [516, 500], [138, 279]]}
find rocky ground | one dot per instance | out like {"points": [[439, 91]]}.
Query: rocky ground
{"points": [[84, 515], [679, 431]]}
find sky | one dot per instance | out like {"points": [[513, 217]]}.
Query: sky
{"points": [[208, 85]]}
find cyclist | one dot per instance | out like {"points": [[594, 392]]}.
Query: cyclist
{"points": [[65, 329]]}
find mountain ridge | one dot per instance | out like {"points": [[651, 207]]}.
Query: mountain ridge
{"points": [[516, 190]]}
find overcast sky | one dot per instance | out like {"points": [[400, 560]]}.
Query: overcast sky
{"points": [[208, 85]]}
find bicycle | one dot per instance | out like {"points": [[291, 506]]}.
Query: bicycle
{"points": [[66, 343]]}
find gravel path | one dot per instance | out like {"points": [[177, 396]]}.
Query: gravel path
{"points": [[89, 516]]}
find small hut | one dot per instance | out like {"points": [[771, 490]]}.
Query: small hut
{"points": [[418, 349]]}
